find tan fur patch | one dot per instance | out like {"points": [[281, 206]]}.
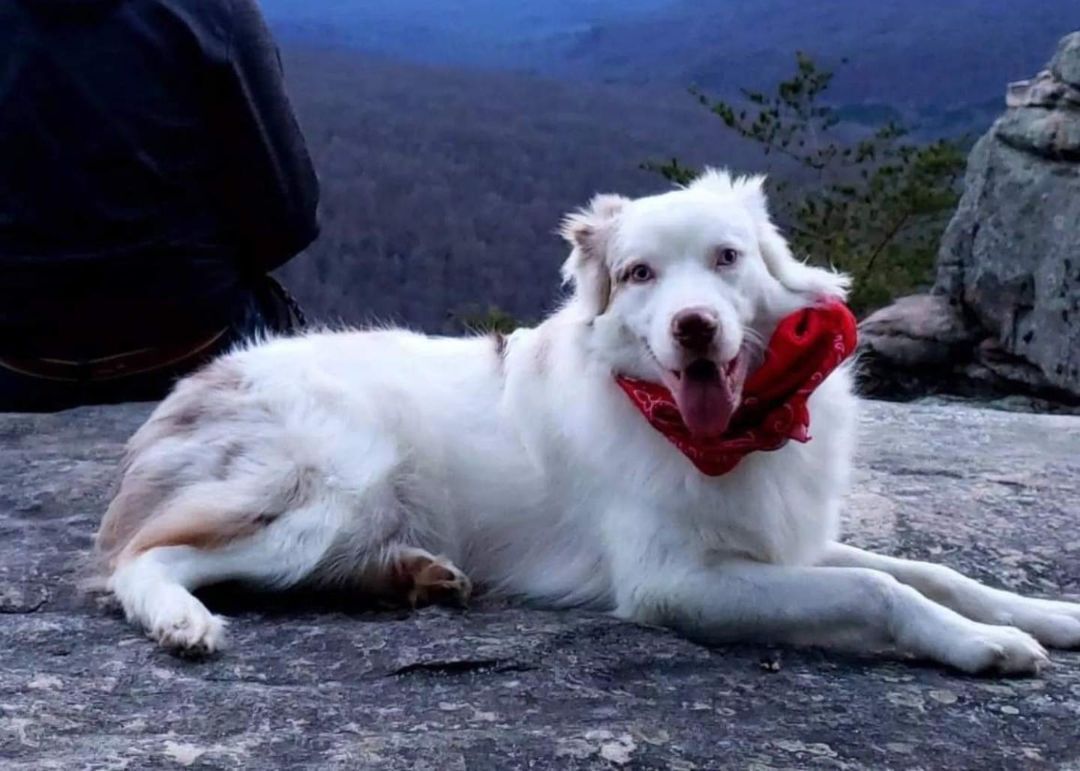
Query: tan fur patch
{"points": [[142, 494], [207, 517]]}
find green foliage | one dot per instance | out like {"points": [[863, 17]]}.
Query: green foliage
{"points": [[874, 205], [493, 319]]}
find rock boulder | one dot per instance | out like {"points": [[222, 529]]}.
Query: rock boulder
{"points": [[1009, 263]]}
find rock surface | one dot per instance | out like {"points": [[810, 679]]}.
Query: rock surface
{"points": [[1065, 65], [311, 682], [1009, 264]]}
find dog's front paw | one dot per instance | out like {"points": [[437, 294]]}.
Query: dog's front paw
{"points": [[183, 624], [1005, 649], [1054, 624]]}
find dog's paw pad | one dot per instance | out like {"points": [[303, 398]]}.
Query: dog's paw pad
{"points": [[431, 579]]}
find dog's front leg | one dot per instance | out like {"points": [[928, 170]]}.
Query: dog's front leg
{"points": [[1052, 622], [869, 609]]}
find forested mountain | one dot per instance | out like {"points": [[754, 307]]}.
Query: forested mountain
{"points": [[442, 189], [452, 135]]}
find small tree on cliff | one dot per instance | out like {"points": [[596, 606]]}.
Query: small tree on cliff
{"points": [[874, 206], [476, 320]]}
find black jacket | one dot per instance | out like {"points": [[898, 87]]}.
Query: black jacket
{"points": [[150, 166]]}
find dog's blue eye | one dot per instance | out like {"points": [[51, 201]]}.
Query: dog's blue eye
{"points": [[641, 273], [726, 256]]}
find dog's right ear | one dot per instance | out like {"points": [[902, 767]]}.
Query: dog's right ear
{"points": [[587, 231]]}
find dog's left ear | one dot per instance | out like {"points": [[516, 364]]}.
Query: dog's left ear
{"points": [[792, 273], [587, 230]]}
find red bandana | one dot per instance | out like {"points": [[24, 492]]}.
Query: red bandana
{"points": [[804, 349]]}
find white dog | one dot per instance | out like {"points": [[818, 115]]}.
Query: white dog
{"points": [[412, 467]]}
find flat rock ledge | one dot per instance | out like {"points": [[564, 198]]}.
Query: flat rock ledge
{"points": [[313, 683]]}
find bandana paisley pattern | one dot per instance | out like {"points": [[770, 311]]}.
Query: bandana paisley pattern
{"points": [[805, 348]]}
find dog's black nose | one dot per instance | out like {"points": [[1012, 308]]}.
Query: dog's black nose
{"points": [[694, 328]]}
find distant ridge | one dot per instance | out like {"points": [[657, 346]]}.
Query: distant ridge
{"points": [[940, 63]]}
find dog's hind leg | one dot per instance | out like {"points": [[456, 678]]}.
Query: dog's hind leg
{"points": [[366, 539], [154, 585], [155, 588], [155, 592]]}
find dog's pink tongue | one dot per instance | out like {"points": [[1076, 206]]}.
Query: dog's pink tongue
{"points": [[706, 406]]}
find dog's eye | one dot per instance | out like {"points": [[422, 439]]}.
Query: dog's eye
{"points": [[726, 256], [640, 273]]}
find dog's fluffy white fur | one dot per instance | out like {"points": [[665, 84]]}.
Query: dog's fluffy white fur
{"points": [[413, 467]]}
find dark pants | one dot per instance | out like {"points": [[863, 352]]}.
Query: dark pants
{"points": [[268, 309]]}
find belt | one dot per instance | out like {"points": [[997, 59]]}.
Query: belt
{"points": [[111, 367]]}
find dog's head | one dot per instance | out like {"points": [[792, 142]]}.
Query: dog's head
{"points": [[686, 287]]}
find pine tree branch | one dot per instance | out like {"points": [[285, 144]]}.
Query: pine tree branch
{"points": [[885, 241]]}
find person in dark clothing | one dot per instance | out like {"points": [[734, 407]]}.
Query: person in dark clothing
{"points": [[152, 174]]}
